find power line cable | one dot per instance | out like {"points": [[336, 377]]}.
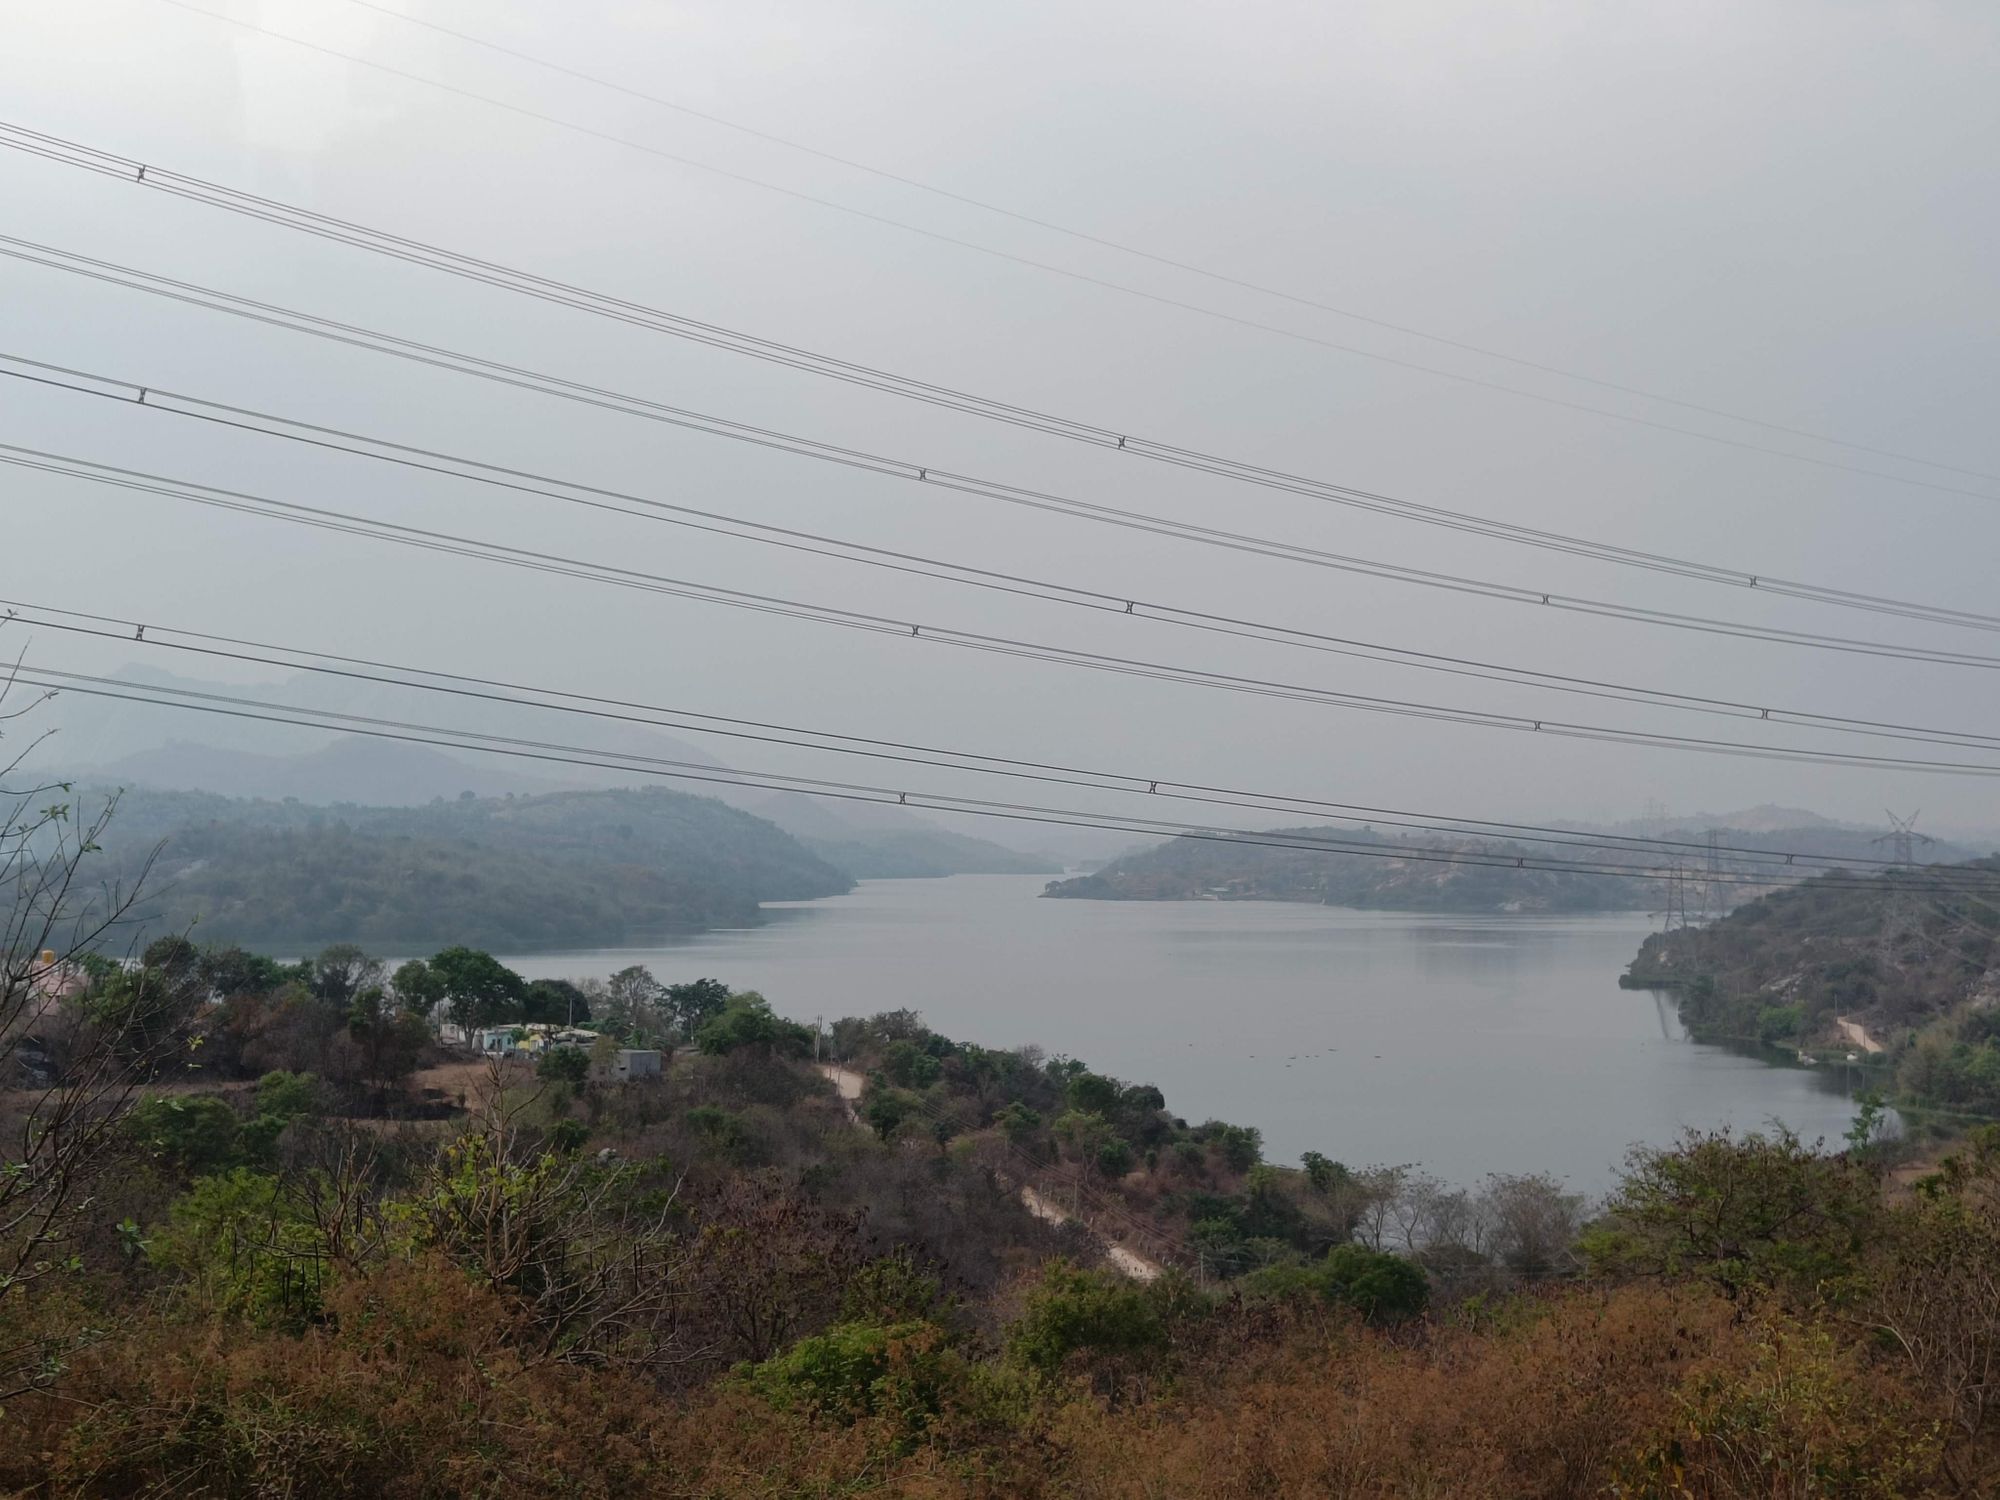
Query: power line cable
{"points": [[1045, 501], [507, 278], [541, 561], [428, 460], [157, 636], [1103, 242], [193, 700], [1085, 278]]}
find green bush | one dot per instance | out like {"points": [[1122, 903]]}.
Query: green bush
{"points": [[196, 1133], [563, 1065], [1383, 1288], [1076, 1311]]}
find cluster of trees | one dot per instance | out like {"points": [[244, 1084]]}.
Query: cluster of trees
{"points": [[746, 1295], [1202, 1194]]}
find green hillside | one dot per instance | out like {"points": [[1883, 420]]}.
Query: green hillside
{"points": [[1906, 959], [562, 870], [1189, 869]]}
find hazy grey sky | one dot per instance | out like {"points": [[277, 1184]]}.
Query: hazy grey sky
{"points": [[1787, 210]]}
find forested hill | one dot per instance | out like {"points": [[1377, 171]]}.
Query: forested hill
{"points": [[566, 869], [1395, 877], [1189, 869], [1902, 956]]}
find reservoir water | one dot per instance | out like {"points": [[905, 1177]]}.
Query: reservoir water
{"points": [[1465, 1045]]}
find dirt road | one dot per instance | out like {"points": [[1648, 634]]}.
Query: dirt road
{"points": [[1856, 1033], [849, 1085]]}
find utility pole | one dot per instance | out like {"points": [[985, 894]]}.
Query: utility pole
{"points": [[819, 1025]]}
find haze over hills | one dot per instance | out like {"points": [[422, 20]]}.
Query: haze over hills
{"points": [[116, 742], [564, 869]]}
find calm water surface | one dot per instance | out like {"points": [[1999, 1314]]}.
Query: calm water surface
{"points": [[1465, 1044]]}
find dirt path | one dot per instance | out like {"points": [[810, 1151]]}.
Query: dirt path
{"points": [[1127, 1262], [1856, 1033], [849, 1085]]}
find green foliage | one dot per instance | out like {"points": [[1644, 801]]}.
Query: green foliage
{"points": [[417, 989], [1780, 1023], [1092, 1093], [477, 989], [286, 1096], [893, 1288], [1241, 1146], [886, 1111], [1072, 1311], [1018, 1122], [1383, 1288], [898, 1371], [1325, 1174], [554, 1002], [193, 1133], [244, 1249], [1749, 1213], [695, 1003], [569, 1065], [747, 1021], [908, 1066]]}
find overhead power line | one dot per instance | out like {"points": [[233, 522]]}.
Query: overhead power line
{"points": [[136, 396], [1171, 262], [1105, 283], [602, 398], [793, 356], [439, 737], [157, 636], [538, 560]]}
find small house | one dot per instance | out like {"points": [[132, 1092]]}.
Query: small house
{"points": [[629, 1064]]}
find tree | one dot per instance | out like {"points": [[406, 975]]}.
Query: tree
{"points": [[634, 1002], [1095, 1313], [555, 1002], [341, 972], [418, 990], [74, 1049], [1087, 1137], [1745, 1213], [1018, 1123], [231, 971], [748, 1021], [695, 1003], [1093, 1093], [477, 989], [391, 1040], [886, 1111]]}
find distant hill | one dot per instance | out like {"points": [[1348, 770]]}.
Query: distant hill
{"points": [[380, 773], [566, 869], [1187, 869], [880, 841]]}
